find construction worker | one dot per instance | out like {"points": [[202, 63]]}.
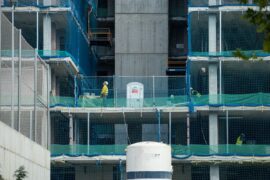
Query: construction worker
{"points": [[241, 139], [104, 93]]}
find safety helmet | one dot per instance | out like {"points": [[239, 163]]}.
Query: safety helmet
{"points": [[106, 82]]}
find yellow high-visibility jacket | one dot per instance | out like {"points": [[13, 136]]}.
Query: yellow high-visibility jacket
{"points": [[104, 90], [239, 141]]}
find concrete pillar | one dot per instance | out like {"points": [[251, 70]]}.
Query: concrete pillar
{"points": [[213, 2], [47, 34], [53, 85], [47, 2], [214, 172], [213, 87], [71, 139], [54, 38]]}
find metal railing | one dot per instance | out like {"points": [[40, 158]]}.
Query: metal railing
{"points": [[126, 91]]}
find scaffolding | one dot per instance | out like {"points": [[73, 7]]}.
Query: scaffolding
{"points": [[24, 97]]}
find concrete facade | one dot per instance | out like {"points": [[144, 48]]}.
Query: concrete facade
{"points": [[21, 151], [141, 37]]}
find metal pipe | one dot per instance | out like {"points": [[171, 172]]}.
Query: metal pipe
{"points": [[154, 98], [88, 129], [19, 80], [37, 29], [35, 93], [188, 129], [227, 130], [12, 69], [170, 128], [159, 132], [70, 129], [220, 50], [31, 125], [48, 107]]}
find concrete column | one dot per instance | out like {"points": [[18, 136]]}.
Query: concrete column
{"points": [[54, 38], [53, 85], [47, 34], [212, 30], [214, 172], [213, 2], [213, 87], [47, 2], [71, 139]]}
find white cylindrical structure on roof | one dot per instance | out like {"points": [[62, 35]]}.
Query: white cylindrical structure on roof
{"points": [[149, 160]]}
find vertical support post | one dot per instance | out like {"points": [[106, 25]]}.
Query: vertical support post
{"points": [[71, 140], [75, 138], [88, 132], [159, 132], [188, 129], [170, 128], [31, 125], [12, 69], [19, 80], [213, 88], [0, 42], [220, 50], [75, 92], [0, 34], [214, 172], [115, 86], [220, 82], [37, 28], [48, 107], [154, 98], [114, 102], [47, 34], [35, 93], [227, 130]]}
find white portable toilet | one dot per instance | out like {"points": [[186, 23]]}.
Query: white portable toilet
{"points": [[135, 94], [149, 160]]}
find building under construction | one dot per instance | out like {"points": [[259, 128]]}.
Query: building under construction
{"points": [[172, 78]]}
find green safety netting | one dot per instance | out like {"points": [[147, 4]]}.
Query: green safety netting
{"points": [[254, 53], [78, 150], [118, 102], [226, 150], [177, 150], [254, 99]]}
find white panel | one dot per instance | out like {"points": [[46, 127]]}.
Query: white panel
{"points": [[21, 151]]}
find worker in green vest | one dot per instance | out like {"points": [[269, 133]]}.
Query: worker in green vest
{"points": [[241, 139]]}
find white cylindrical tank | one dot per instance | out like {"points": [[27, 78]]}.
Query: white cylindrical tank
{"points": [[149, 160]]}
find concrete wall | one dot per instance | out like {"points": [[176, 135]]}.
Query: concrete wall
{"points": [[17, 150], [141, 37]]}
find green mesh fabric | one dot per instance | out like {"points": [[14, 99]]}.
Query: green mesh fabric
{"points": [[255, 99], [117, 102], [177, 150], [78, 150]]}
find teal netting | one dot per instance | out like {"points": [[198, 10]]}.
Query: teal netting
{"points": [[254, 99], [178, 151]]}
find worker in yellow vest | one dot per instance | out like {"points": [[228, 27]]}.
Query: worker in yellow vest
{"points": [[241, 139], [104, 93]]}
